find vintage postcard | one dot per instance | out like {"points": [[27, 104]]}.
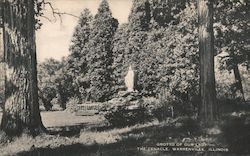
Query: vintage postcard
{"points": [[124, 77]]}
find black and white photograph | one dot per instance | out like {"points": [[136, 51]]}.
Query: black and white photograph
{"points": [[125, 77]]}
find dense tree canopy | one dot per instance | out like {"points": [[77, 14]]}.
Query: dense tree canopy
{"points": [[232, 39], [100, 53], [76, 66], [232, 32], [119, 65], [48, 74], [160, 41]]}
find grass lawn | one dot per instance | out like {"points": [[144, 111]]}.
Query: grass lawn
{"points": [[63, 118], [94, 139], [68, 124]]}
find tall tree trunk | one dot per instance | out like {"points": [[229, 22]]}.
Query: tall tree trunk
{"points": [[1, 68], [208, 112], [21, 110], [238, 81], [1, 58]]}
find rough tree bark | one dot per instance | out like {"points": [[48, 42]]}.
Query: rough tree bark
{"points": [[1, 70], [238, 80], [208, 112], [21, 110]]}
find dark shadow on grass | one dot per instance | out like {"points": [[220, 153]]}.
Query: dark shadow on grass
{"points": [[236, 125], [68, 131], [75, 130], [236, 132], [131, 140], [126, 147]]}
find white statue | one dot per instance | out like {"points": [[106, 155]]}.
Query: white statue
{"points": [[129, 79]]}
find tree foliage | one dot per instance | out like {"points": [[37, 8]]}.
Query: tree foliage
{"points": [[160, 41], [138, 26], [232, 32], [232, 39], [48, 82], [119, 51], [151, 45], [76, 66], [100, 53], [164, 12]]}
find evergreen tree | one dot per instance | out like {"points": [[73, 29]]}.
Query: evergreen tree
{"points": [[173, 57], [139, 20], [81, 34], [100, 54], [164, 11], [76, 66], [144, 43], [119, 64]]}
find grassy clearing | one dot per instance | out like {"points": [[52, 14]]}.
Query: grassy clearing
{"points": [[86, 137], [63, 118], [232, 133], [172, 130]]}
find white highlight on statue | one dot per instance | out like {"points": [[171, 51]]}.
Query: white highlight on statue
{"points": [[129, 79]]}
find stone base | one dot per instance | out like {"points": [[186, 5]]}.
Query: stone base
{"points": [[129, 95]]}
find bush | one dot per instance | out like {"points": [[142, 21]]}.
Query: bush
{"points": [[56, 104], [3, 138], [172, 106], [157, 108], [162, 111], [188, 125], [128, 115], [225, 91], [71, 105]]}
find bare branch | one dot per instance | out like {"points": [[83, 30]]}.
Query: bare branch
{"points": [[55, 11], [46, 18], [65, 13]]}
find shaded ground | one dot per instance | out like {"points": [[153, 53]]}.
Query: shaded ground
{"points": [[88, 135], [124, 141]]}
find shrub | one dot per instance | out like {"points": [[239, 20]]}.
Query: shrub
{"points": [[3, 138], [162, 111], [188, 125], [72, 104], [169, 105], [225, 91], [157, 108], [127, 115], [56, 104]]}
